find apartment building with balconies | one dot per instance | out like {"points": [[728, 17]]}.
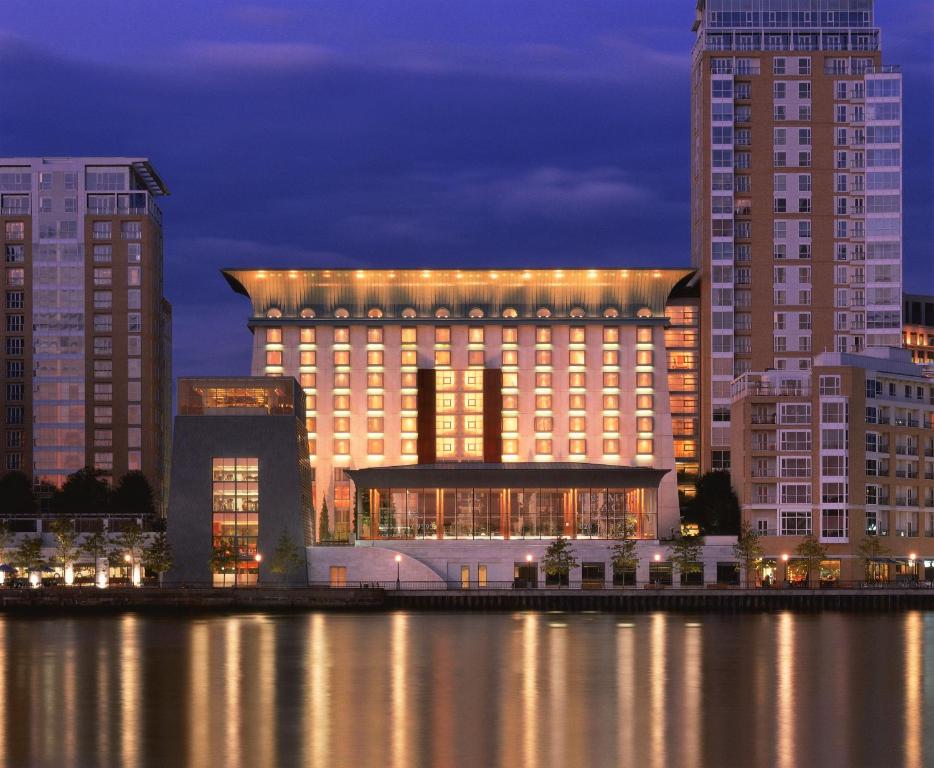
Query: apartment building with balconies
{"points": [[840, 452], [796, 154], [86, 358]]}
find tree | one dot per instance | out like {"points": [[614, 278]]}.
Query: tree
{"points": [[871, 549], [623, 553], [715, 507], [96, 546], [812, 552], [6, 538], [748, 549], [287, 557], [685, 552], [133, 496], [223, 557], [84, 493], [66, 540], [16, 494], [559, 559], [324, 524], [157, 555], [28, 556], [130, 542]]}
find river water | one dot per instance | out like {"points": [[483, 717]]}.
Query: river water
{"points": [[510, 689]]}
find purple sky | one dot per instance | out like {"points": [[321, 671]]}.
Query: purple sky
{"points": [[372, 133]]}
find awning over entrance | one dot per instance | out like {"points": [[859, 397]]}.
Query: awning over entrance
{"points": [[475, 474]]}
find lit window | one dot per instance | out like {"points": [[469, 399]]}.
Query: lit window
{"points": [[475, 357], [611, 312], [374, 313], [409, 402], [611, 357], [374, 402], [645, 357], [475, 312], [610, 334], [645, 402], [510, 335], [577, 424], [543, 312], [543, 423], [341, 380], [543, 335], [341, 313], [342, 424], [510, 379], [307, 336], [307, 357], [308, 380], [610, 379], [611, 402], [409, 424], [644, 379], [374, 446], [442, 357], [475, 335], [510, 447], [577, 335], [341, 357], [374, 380], [610, 446], [645, 424], [577, 357], [543, 402], [510, 312], [577, 312], [611, 423], [577, 402], [577, 379], [409, 357], [341, 447], [543, 446], [644, 446], [442, 312], [510, 357], [577, 446], [644, 335], [374, 335], [542, 357], [341, 402], [409, 379], [274, 357], [409, 335], [342, 335], [374, 357], [307, 313], [274, 313]]}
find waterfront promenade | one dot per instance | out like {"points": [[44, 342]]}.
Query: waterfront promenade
{"points": [[387, 597]]}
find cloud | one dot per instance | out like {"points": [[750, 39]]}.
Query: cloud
{"points": [[258, 15], [254, 56]]}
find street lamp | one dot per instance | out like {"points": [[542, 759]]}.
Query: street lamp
{"points": [[528, 570], [658, 575], [398, 566]]}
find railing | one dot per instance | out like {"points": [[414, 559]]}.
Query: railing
{"points": [[768, 418], [763, 446], [910, 582]]}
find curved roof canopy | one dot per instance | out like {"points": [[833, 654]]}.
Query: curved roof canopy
{"points": [[518, 292]]}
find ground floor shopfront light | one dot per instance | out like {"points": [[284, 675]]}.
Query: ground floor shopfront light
{"points": [[69, 574]]}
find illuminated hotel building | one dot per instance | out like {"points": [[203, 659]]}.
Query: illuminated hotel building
{"points": [[520, 369], [86, 331], [918, 329], [796, 156]]}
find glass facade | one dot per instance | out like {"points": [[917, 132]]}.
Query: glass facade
{"points": [[508, 513], [235, 523]]}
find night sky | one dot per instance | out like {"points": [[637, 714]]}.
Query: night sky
{"points": [[372, 133]]}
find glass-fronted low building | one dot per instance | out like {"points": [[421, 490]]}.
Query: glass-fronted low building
{"points": [[241, 480]]}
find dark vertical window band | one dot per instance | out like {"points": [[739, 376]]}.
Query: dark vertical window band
{"points": [[493, 415], [426, 404]]}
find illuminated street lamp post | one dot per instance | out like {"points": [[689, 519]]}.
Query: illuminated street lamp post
{"points": [[258, 558], [658, 575], [528, 570], [785, 566], [398, 566], [911, 573]]}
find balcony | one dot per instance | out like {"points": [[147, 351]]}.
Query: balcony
{"points": [[909, 474], [906, 501], [906, 450], [763, 418], [766, 447]]}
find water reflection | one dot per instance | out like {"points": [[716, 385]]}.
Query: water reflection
{"points": [[418, 689]]}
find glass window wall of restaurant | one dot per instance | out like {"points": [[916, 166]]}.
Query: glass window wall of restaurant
{"points": [[508, 513]]}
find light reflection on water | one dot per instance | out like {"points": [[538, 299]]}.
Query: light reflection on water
{"points": [[402, 689]]}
